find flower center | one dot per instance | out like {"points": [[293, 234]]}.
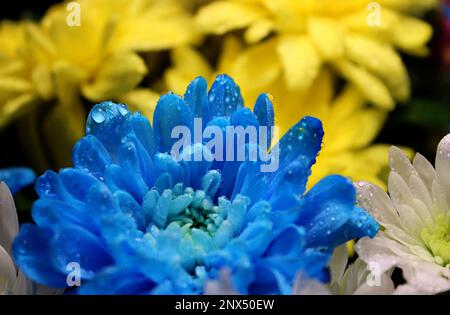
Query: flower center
{"points": [[186, 207], [437, 239], [201, 213]]}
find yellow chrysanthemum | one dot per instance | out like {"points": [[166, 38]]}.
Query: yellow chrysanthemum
{"points": [[85, 51], [295, 39], [350, 123]]}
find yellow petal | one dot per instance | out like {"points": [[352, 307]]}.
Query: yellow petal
{"points": [[12, 36], [300, 60], [257, 66], [319, 96], [413, 6], [161, 27], [80, 45], [258, 30], [370, 86], [67, 80], [327, 35], [349, 101], [357, 131], [231, 49], [29, 128], [11, 67], [187, 65], [410, 33], [42, 80], [39, 45], [407, 33], [117, 75], [381, 60], [222, 16], [10, 84], [143, 100], [63, 127], [15, 107]]}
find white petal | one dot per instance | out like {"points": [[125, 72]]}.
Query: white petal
{"points": [[399, 190], [425, 169], [439, 198], [420, 191], [426, 278], [222, 286], [411, 222], [400, 163], [338, 263], [402, 237], [303, 285], [377, 203], [376, 251], [355, 275], [443, 164], [22, 285], [386, 286], [9, 226], [425, 213], [7, 271]]}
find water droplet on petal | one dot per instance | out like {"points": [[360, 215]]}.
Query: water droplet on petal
{"points": [[98, 115]]}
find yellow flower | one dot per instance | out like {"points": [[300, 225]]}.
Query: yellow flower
{"points": [[350, 123], [358, 39], [89, 51]]}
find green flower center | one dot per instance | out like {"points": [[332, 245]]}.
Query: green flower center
{"points": [[201, 213], [189, 208], [437, 239]]}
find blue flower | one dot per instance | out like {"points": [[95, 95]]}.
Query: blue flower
{"points": [[139, 221], [17, 178]]}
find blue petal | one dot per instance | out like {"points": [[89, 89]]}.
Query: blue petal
{"points": [[289, 182], [117, 280], [171, 111], [72, 243], [359, 225], [31, 252], [304, 139], [110, 123], [89, 154], [144, 132], [50, 186], [197, 160], [224, 97], [48, 213], [326, 208], [17, 178], [264, 112], [196, 97]]}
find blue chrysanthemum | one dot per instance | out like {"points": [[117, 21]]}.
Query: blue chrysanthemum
{"points": [[137, 220]]}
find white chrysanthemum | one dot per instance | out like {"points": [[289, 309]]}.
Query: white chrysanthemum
{"points": [[415, 219]]}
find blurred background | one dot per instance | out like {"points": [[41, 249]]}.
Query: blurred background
{"points": [[418, 124]]}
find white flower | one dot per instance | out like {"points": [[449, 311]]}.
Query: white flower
{"points": [[415, 219], [357, 279], [12, 281]]}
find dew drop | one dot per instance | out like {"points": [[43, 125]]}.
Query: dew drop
{"points": [[98, 115]]}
